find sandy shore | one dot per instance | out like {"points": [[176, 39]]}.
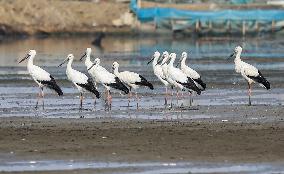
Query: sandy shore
{"points": [[32, 17], [109, 139]]}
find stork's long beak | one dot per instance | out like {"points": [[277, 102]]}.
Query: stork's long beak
{"points": [[232, 55], [84, 55], [151, 60], [63, 62], [160, 59], [166, 61], [92, 66], [27, 56]]}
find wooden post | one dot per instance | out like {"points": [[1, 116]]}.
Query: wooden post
{"points": [[272, 26], [197, 26], [244, 28], [210, 25], [229, 26], [257, 26]]}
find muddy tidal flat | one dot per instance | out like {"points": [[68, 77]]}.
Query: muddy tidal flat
{"points": [[240, 139], [219, 133]]}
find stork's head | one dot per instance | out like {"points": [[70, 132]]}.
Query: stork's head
{"points": [[115, 65], [237, 50], [69, 57], [87, 53], [183, 55], [165, 54], [96, 63], [31, 53], [173, 56], [155, 56], [164, 58]]}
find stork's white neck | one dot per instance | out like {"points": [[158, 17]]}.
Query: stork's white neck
{"points": [[183, 61], [172, 61], [69, 64], [88, 61], [115, 71], [238, 57], [155, 61], [31, 60]]}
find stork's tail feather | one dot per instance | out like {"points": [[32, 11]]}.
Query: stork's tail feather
{"points": [[52, 85], [201, 83], [191, 85], [261, 79], [119, 85], [266, 84], [144, 82], [90, 87]]}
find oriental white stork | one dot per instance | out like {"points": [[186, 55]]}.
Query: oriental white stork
{"points": [[80, 80], [249, 72], [41, 77], [107, 79], [158, 71], [131, 79], [191, 73], [179, 79]]}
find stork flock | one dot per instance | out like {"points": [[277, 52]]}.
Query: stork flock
{"points": [[182, 78]]}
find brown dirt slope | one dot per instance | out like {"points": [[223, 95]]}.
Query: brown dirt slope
{"points": [[58, 16]]}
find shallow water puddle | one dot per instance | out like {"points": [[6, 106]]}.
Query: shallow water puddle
{"points": [[141, 168]]}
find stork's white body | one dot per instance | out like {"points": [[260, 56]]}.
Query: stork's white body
{"points": [[164, 67], [102, 76], [245, 69], [158, 70], [99, 73], [38, 74], [76, 77], [189, 71], [129, 78], [176, 75]]}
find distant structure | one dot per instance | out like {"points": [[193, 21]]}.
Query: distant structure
{"points": [[234, 16]]}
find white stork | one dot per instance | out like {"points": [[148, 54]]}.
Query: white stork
{"points": [[191, 73], [249, 72], [131, 79], [107, 79], [178, 78], [158, 71], [80, 80], [41, 77], [163, 60]]}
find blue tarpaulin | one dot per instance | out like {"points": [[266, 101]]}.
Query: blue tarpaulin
{"points": [[159, 14]]}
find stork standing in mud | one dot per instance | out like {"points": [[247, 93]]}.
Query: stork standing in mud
{"points": [[163, 63], [179, 79], [41, 77], [80, 80], [249, 72], [131, 79], [102, 76], [191, 73], [158, 71]]}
